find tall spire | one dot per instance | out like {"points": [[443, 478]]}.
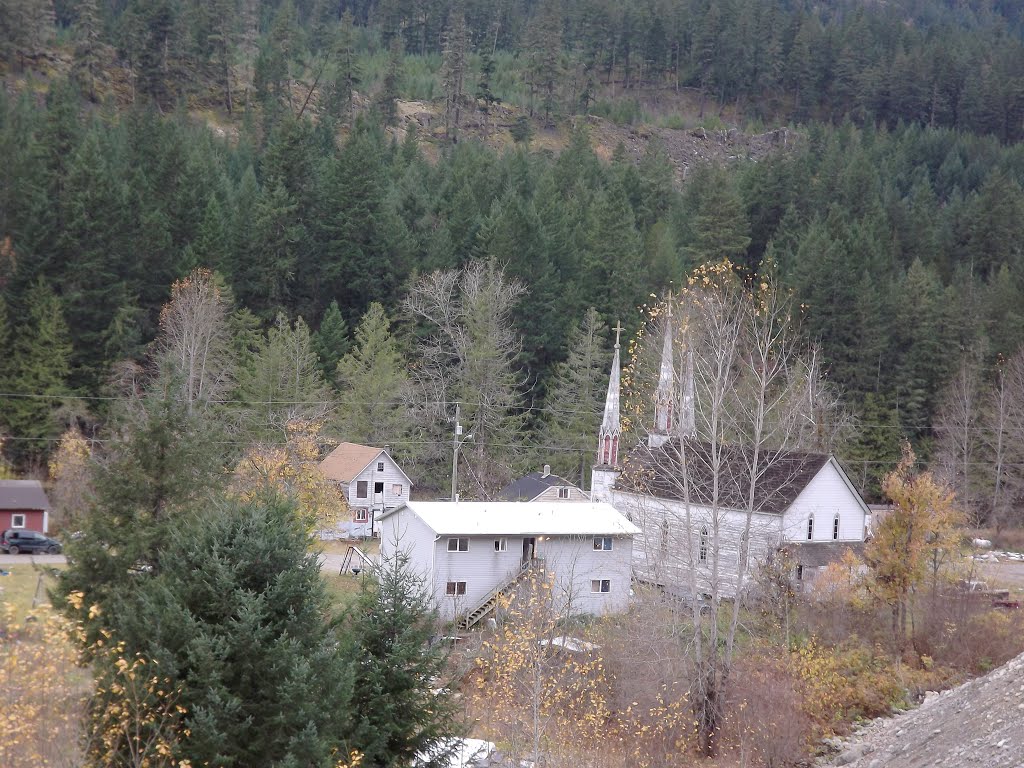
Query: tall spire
{"points": [[663, 397], [688, 416], [608, 439]]}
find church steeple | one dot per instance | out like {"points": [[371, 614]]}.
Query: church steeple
{"points": [[664, 395], [608, 438]]}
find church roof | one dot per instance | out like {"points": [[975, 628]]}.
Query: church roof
{"points": [[529, 487], [782, 475]]}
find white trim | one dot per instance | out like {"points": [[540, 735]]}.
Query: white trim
{"points": [[15, 516]]}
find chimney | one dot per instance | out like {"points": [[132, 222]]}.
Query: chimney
{"points": [[387, 449], [547, 470]]}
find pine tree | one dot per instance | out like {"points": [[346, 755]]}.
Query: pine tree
{"points": [[388, 95], [238, 621], [453, 71], [575, 400], [331, 341], [283, 383], [401, 717], [346, 71], [720, 227], [87, 46], [373, 384], [37, 371]]}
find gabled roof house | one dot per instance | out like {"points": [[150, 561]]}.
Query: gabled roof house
{"points": [[542, 486], [371, 481]]}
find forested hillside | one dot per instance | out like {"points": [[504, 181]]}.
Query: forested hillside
{"points": [[264, 141]]}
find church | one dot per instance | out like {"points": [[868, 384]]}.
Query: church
{"points": [[711, 514]]}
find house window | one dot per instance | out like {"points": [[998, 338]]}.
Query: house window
{"points": [[603, 543], [501, 545], [17, 521], [362, 514], [563, 492], [396, 489], [455, 588], [380, 466], [458, 544], [361, 489], [601, 585], [702, 553], [810, 528], [835, 526]]}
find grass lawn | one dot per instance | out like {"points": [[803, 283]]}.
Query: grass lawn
{"points": [[22, 585]]}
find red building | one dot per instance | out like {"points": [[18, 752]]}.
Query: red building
{"points": [[23, 504]]}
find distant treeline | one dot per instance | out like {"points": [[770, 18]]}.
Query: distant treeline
{"points": [[948, 64], [904, 246]]}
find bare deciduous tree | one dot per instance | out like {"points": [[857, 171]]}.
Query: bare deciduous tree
{"points": [[957, 425], [192, 347], [712, 489], [468, 357]]}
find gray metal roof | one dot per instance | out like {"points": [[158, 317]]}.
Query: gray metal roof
{"points": [[529, 487], [23, 494]]}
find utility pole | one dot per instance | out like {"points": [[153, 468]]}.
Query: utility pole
{"points": [[456, 443]]}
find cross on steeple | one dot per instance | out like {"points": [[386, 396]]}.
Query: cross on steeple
{"points": [[618, 329]]}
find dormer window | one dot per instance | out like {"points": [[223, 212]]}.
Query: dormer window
{"points": [[563, 492]]}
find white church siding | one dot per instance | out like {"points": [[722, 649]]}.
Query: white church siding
{"points": [[666, 546], [827, 495]]}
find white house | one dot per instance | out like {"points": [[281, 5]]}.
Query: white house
{"points": [[685, 494], [471, 552], [370, 480], [542, 486]]}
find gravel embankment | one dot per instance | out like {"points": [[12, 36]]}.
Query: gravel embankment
{"points": [[979, 724]]}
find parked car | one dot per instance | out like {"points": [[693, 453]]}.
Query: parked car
{"points": [[15, 540]]}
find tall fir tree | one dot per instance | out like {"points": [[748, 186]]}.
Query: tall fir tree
{"points": [[403, 715], [331, 341], [36, 375]]}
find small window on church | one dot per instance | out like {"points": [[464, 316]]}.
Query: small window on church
{"points": [[835, 527], [664, 535], [702, 554], [810, 528]]}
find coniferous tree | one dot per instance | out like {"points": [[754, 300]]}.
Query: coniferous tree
{"points": [[37, 373], [401, 716], [87, 46], [237, 619], [282, 382], [373, 385], [453, 71], [331, 341], [575, 400]]}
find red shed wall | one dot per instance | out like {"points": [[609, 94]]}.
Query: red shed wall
{"points": [[34, 519]]}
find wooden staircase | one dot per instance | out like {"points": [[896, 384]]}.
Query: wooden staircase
{"points": [[490, 601]]}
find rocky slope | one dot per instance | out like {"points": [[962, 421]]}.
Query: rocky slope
{"points": [[978, 724]]}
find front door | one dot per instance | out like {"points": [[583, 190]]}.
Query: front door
{"points": [[529, 550]]}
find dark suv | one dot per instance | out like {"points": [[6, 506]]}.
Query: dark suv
{"points": [[15, 540]]}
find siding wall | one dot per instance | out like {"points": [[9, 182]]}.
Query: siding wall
{"points": [[551, 494], [391, 476], [573, 561], [405, 532], [825, 496], [35, 519], [667, 551]]}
